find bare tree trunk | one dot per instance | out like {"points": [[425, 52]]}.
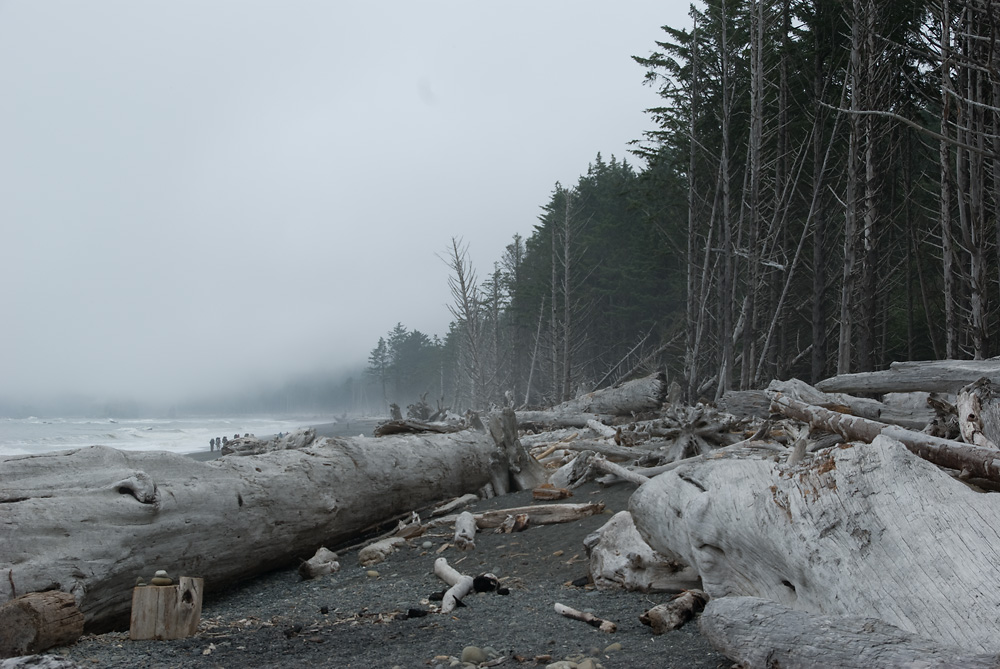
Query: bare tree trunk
{"points": [[726, 288], [944, 157]]}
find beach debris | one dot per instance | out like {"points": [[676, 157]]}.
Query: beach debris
{"points": [[322, 563], [166, 612], [37, 621], [161, 578], [454, 505], [379, 551], [589, 618], [679, 609], [513, 523], [465, 531], [461, 585], [548, 492]]}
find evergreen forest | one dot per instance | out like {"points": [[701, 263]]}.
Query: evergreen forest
{"points": [[818, 193]]}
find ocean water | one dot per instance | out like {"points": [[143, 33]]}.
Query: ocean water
{"points": [[20, 436]]}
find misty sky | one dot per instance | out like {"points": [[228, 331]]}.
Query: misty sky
{"points": [[196, 195]]}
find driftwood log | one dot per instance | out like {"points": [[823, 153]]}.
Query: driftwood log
{"points": [[619, 558], [761, 634], [645, 394], [864, 530], [39, 621], [89, 521], [933, 376]]}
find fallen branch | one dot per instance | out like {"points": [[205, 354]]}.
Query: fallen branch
{"points": [[589, 618]]}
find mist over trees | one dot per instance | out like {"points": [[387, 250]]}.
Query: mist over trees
{"points": [[819, 196]]}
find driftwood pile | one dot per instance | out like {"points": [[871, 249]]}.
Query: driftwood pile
{"points": [[820, 526], [843, 532]]}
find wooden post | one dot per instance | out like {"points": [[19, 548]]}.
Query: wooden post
{"points": [[167, 611], [37, 621]]}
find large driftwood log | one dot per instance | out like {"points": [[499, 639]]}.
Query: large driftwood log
{"points": [[551, 420], [619, 558], [932, 376], [856, 406], [972, 461], [89, 521], [645, 394], [761, 634], [867, 530]]}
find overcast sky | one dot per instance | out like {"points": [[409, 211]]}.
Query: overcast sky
{"points": [[198, 194]]}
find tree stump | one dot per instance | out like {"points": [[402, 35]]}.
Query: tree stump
{"points": [[37, 621], [165, 612]]}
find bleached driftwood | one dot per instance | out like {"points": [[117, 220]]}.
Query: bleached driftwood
{"points": [[645, 394], [972, 461], [602, 430], [933, 376], [761, 634], [465, 531], [619, 558], [457, 503], [525, 472], [978, 408], [322, 563], [867, 530], [553, 420], [461, 584], [681, 608], [89, 521], [542, 514], [892, 414], [589, 618]]}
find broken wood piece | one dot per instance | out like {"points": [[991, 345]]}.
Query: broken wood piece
{"points": [[461, 585], [576, 470], [762, 634], [589, 618], [549, 492], [38, 621], [465, 531], [513, 523], [600, 464], [681, 608], [379, 551], [602, 430], [543, 514], [455, 504], [164, 612], [322, 563]]}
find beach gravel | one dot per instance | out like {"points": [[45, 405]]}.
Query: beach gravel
{"points": [[352, 618]]}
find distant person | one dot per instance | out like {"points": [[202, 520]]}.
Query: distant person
{"points": [[225, 440], [212, 443], [246, 436]]}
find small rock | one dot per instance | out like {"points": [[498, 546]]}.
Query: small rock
{"points": [[561, 664], [613, 647], [473, 654], [594, 651], [490, 651], [427, 544], [587, 663], [371, 573]]}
